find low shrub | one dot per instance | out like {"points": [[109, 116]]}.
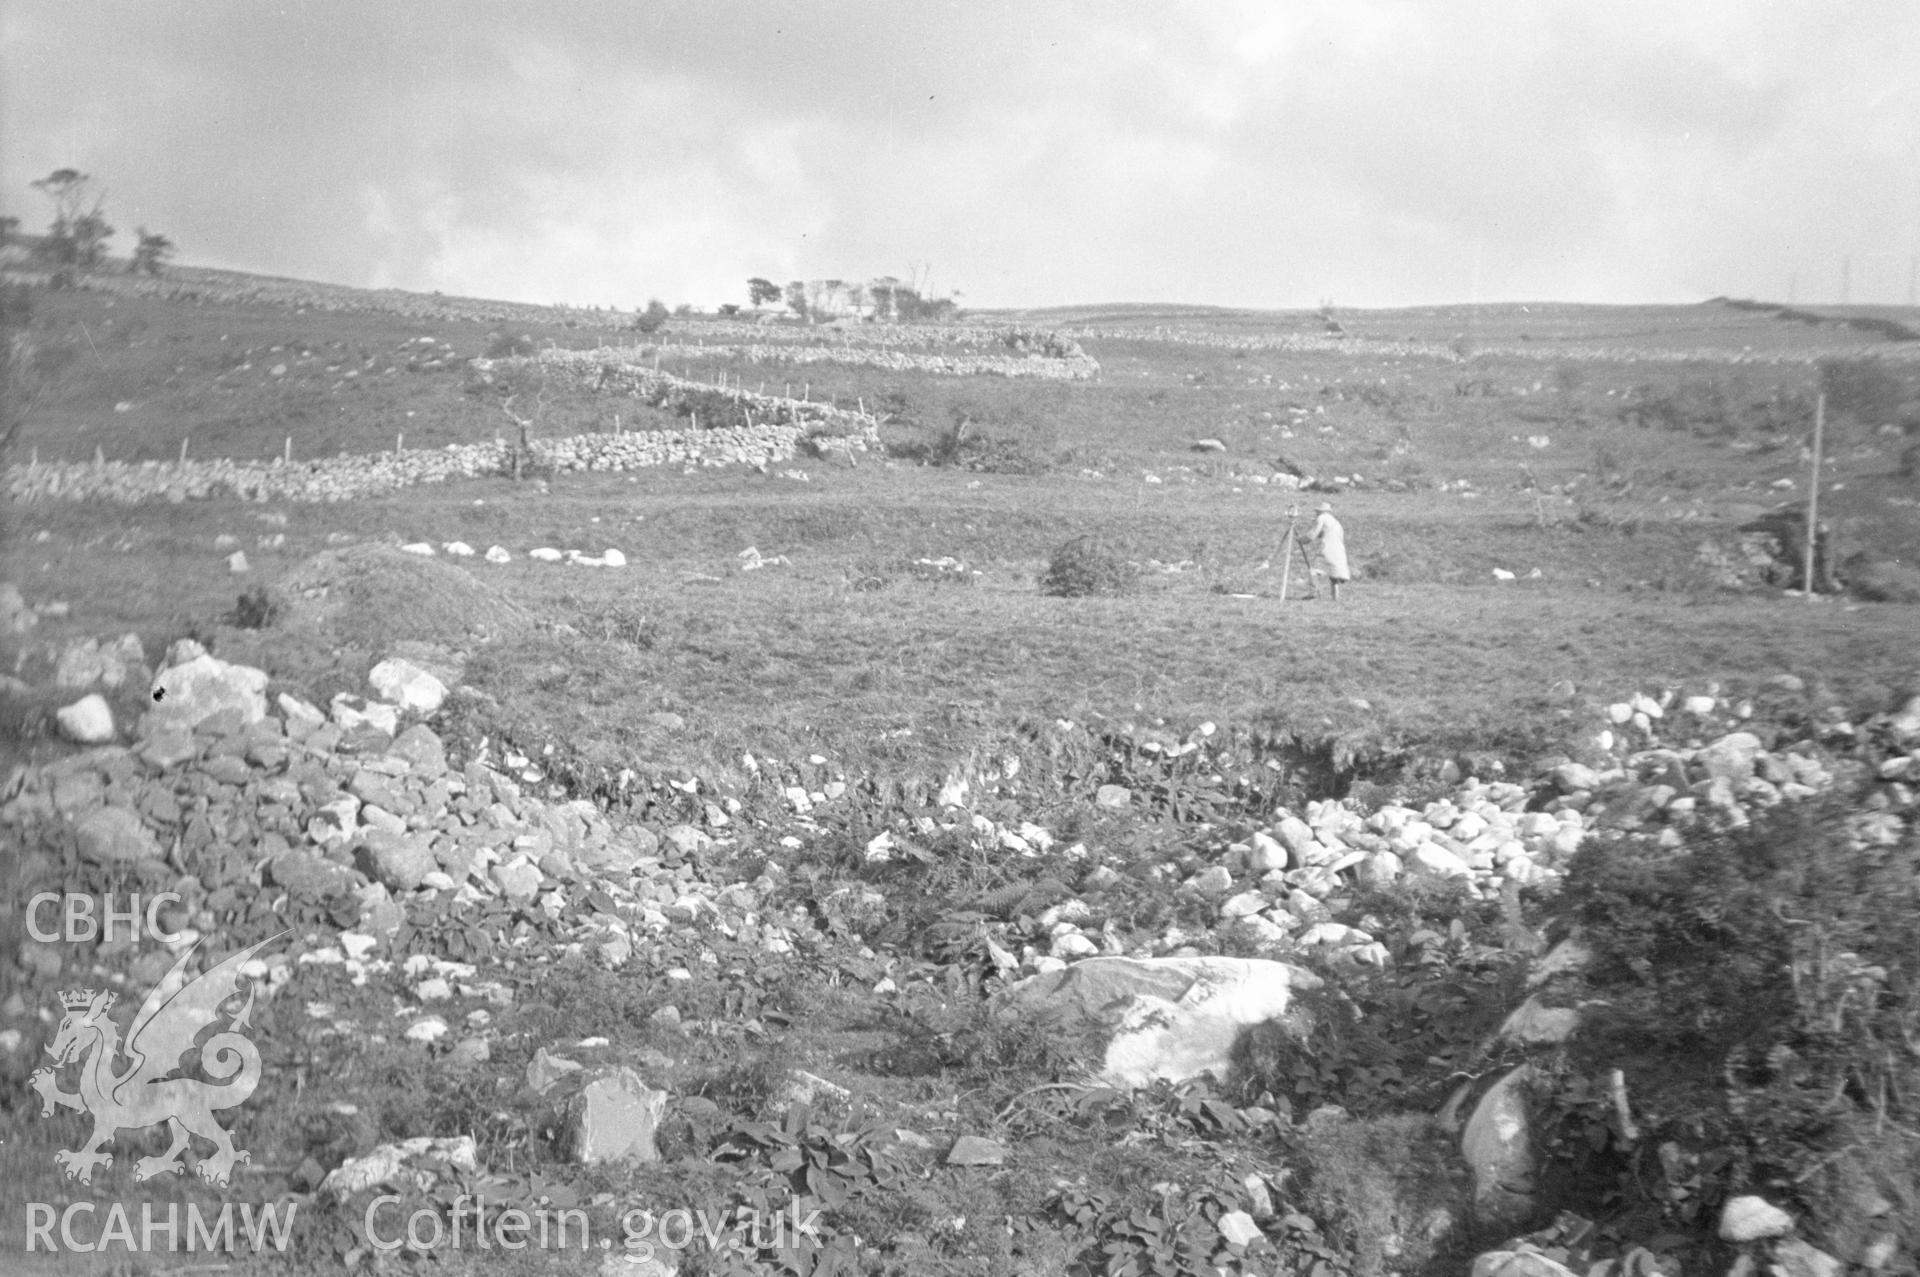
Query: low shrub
{"points": [[508, 345], [1387, 1190], [620, 624], [1760, 992], [653, 317], [1086, 565], [256, 609], [1864, 389]]}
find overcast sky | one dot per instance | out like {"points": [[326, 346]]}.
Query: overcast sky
{"points": [[1372, 152]]}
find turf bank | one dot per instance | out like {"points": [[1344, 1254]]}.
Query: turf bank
{"points": [[92, 1226]]}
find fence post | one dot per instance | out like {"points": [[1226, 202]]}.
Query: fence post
{"points": [[1813, 492]]}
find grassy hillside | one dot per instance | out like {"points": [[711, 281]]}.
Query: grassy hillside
{"points": [[1603, 474]]}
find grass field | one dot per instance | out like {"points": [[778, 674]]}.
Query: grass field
{"points": [[1587, 451], [844, 646]]}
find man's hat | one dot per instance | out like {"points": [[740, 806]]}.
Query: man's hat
{"points": [[1325, 507]]}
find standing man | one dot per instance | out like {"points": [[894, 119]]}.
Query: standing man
{"points": [[1329, 539]]}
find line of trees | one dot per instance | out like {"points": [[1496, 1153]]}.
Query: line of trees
{"points": [[77, 239]]}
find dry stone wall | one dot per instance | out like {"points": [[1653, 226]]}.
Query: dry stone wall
{"points": [[1549, 352]]}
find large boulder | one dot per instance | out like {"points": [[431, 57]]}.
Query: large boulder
{"points": [[1173, 1018], [188, 694], [1497, 1144]]}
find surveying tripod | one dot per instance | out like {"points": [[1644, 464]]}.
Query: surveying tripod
{"points": [[1291, 545]]}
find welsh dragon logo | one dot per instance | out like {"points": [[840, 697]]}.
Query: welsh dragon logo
{"points": [[143, 1094]]}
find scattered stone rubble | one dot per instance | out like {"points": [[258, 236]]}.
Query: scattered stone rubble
{"points": [[218, 795]]}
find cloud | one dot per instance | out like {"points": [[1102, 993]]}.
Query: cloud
{"points": [[1377, 151]]}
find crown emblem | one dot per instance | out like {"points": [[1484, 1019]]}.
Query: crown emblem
{"points": [[79, 999]]}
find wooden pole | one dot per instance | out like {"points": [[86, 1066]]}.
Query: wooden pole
{"points": [[286, 456], [1286, 560], [183, 449], [1813, 491]]}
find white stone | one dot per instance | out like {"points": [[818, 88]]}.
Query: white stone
{"points": [[1267, 854], [201, 686], [1266, 931], [387, 1166], [405, 684], [1173, 1018], [1498, 1149], [1434, 859], [237, 561], [614, 559], [1244, 905], [1297, 836], [1795, 1257], [1532, 1024], [546, 554], [1748, 1218], [382, 717], [1238, 1229], [1410, 836], [1518, 1263], [1213, 882], [498, 554], [1699, 706], [295, 709], [418, 547], [88, 721], [1074, 944], [428, 1029], [458, 549], [1619, 712]]}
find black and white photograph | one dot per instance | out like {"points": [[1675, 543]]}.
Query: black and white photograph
{"points": [[956, 638]]}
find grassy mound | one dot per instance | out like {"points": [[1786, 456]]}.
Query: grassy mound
{"points": [[375, 596]]}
